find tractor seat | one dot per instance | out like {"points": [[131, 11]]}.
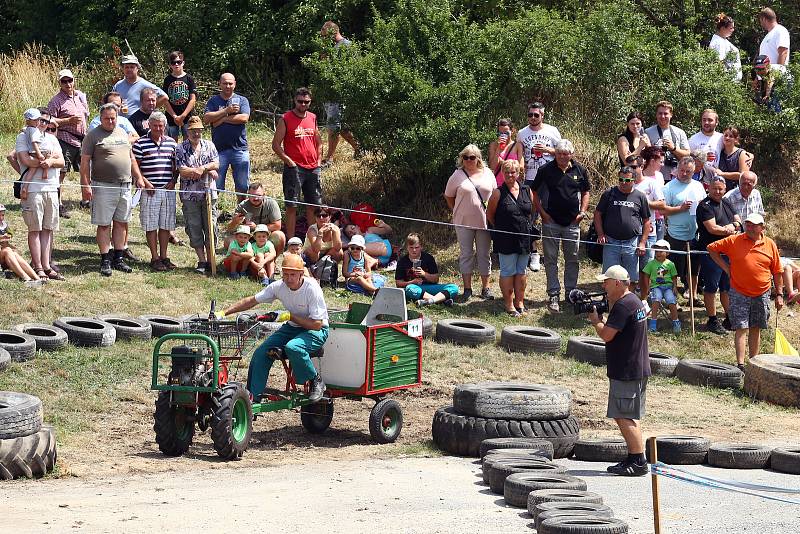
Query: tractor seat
{"points": [[277, 353]]}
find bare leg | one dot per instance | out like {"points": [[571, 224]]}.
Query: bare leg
{"points": [[310, 217], [632, 432], [46, 243], [376, 249], [484, 281], [163, 243], [725, 300], [18, 265], [507, 290], [119, 235], [333, 142], [347, 135], [710, 300], [201, 254], [754, 341], [673, 312], [152, 244], [104, 238], [291, 221], [655, 307], [467, 280], [520, 283], [739, 342], [35, 248], [278, 239]]}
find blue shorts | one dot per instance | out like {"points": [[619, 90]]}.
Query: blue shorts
{"points": [[714, 278], [657, 294], [374, 238], [512, 264]]}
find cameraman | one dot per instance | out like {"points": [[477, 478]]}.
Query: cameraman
{"points": [[628, 365]]}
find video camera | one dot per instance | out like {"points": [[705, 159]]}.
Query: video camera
{"points": [[584, 301]]}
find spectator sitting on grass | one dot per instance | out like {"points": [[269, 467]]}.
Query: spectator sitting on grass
{"points": [[257, 209], [357, 266], [660, 281], [323, 238], [418, 274], [377, 245], [791, 279], [262, 264], [11, 259], [240, 252]]}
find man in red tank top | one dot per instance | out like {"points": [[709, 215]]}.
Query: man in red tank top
{"points": [[297, 142]]}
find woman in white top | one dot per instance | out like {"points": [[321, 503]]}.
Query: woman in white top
{"points": [[653, 159], [728, 53]]}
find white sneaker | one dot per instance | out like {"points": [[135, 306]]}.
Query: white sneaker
{"points": [[533, 262]]}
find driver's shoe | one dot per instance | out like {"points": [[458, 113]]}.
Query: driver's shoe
{"points": [[317, 389]]}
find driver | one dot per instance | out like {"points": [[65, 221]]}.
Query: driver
{"points": [[305, 331]]}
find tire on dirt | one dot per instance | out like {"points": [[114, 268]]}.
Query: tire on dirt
{"points": [[512, 400], [681, 450], [774, 378], [587, 349], [21, 347], [709, 373], [317, 417], [574, 509], [385, 421], [518, 486], [559, 495], [786, 460], [30, 456], [581, 507], [5, 359], [490, 459], [427, 326], [173, 425], [542, 447], [87, 332], [47, 337], [162, 325], [527, 339], [469, 332], [739, 455], [128, 327], [663, 364], [231, 420], [20, 414], [462, 434], [576, 524], [601, 450], [499, 469]]}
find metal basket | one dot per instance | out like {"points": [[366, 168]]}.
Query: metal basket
{"points": [[234, 338]]}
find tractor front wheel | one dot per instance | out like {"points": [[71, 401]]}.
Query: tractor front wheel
{"points": [[174, 426], [231, 420], [386, 421], [316, 418]]}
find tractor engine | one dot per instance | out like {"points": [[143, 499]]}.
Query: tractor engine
{"points": [[188, 369]]}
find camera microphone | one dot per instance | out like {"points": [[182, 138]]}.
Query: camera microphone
{"points": [[576, 295]]}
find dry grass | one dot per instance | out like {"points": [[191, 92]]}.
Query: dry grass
{"points": [[28, 78]]}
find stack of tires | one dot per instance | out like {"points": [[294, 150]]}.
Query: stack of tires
{"points": [[505, 410], [774, 378], [27, 447]]}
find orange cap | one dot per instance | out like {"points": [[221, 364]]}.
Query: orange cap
{"points": [[292, 262]]}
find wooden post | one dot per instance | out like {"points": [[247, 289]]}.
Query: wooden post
{"points": [[211, 246], [651, 443], [692, 289]]}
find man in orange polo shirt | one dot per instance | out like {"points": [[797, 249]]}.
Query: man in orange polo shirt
{"points": [[754, 265]]}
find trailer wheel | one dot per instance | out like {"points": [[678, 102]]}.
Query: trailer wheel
{"points": [[386, 421], [316, 418], [231, 421], [174, 426]]}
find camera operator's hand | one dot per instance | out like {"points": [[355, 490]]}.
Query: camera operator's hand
{"points": [[594, 317]]}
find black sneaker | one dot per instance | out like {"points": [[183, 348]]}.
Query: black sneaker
{"points": [[128, 255], [486, 294], [317, 389], [63, 212], [629, 469], [715, 327], [740, 366], [201, 267], [726, 324], [467, 294], [448, 302], [105, 265], [120, 265]]}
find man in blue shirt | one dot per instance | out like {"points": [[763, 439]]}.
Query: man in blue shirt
{"points": [[130, 87]]}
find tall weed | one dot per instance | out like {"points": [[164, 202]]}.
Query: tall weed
{"points": [[28, 78]]}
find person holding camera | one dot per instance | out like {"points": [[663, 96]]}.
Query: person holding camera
{"points": [[418, 274], [672, 140], [628, 365]]}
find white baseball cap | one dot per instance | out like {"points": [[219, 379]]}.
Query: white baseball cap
{"points": [[755, 218], [662, 243], [357, 241], [294, 241], [31, 114], [65, 73], [615, 272]]}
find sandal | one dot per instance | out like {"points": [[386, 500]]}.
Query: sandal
{"points": [[52, 274], [513, 313]]}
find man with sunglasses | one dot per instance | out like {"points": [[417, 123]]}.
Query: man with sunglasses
{"points": [[298, 143], [536, 142], [70, 109]]}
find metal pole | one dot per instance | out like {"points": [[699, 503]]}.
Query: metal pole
{"points": [[211, 246], [651, 443], [691, 286]]}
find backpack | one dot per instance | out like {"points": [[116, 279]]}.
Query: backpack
{"points": [[326, 270], [594, 250]]}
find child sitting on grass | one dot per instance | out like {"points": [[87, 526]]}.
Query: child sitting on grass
{"points": [[662, 274], [358, 267], [262, 264], [240, 252]]}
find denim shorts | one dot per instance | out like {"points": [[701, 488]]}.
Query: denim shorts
{"points": [[714, 278], [512, 264], [657, 294]]}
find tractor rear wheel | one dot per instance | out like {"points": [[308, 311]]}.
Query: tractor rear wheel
{"points": [[231, 420], [174, 426], [316, 418], [386, 421]]}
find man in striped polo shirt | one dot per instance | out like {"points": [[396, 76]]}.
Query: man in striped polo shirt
{"points": [[155, 157]]}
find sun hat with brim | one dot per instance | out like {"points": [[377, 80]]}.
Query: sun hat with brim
{"points": [[662, 244], [357, 241], [755, 218], [294, 241], [129, 59], [615, 272], [242, 230], [261, 228], [65, 73], [2, 207], [195, 123], [292, 262]]}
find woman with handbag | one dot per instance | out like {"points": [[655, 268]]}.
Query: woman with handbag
{"points": [[509, 209], [466, 193]]}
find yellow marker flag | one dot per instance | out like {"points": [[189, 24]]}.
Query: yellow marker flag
{"points": [[782, 345]]}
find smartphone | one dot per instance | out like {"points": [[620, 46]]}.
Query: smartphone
{"points": [[415, 264]]}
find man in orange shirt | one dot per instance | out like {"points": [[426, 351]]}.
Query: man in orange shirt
{"points": [[754, 260]]}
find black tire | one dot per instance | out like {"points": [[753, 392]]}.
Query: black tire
{"points": [[162, 325], [680, 450], [20, 414], [31, 456], [527, 339], [663, 364], [5, 359], [462, 434], [774, 378], [385, 421], [492, 458], [739, 455], [587, 349], [565, 524], [317, 417], [21, 347], [47, 337], [541, 447], [87, 332], [558, 495], [581, 507], [709, 373], [469, 332], [499, 469], [518, 486], [512, 400], [231, 421], [128, 327], [173, 425], [427, 326], [601, 450], [574, 509], [786, 460]]}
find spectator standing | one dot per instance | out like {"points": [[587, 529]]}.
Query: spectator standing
{"points": [[228, 114], [726, 51], [510, 209], [671, 139], [754, 266], [633, 140], [141, 118], [746, 199], [131, 85], [333, 110], [181, 96], [536, 142], [561, 196], [767, 84], [654, 192], [113, 97], [257, 209], [708, 139], [776, 43], [70, 110], [466, 193], [653, 158], [504, 148], [418, 275], [733, 161]]}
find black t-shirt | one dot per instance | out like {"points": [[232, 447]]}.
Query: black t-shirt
{"points": [[623, 215], [179, 92], [139, 120], [404, 266], [560, 192], [721, 212], [627, 355]]}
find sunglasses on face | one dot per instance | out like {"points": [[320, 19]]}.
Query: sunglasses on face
{"points": [[470, 158], [534, 115], [176, 62], [625, 180], [303, 102], [355, 248], [44, 121], [51, 129]]}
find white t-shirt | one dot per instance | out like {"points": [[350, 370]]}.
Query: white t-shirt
{"points": [[41, 181], [654, 191], [707, 143], [548, 136], [674, 134], [307, 301], [728, 54], [778, 37]]}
